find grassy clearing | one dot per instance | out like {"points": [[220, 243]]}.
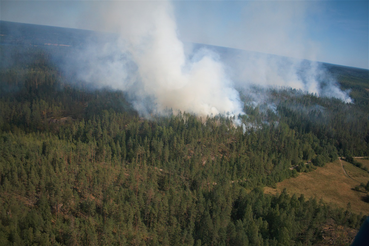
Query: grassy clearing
{"points": [[363, 161], [330, 184], [356, 173]]}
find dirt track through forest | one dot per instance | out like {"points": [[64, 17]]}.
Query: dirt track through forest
{"points": [[344, 171]]}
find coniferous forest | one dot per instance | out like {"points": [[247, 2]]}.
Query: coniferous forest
{"points": [[81, 167]]}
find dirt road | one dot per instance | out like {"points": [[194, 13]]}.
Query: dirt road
{"points": [[344, 171]]}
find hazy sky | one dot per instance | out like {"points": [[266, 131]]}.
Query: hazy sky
{"points": [[329, 31]]}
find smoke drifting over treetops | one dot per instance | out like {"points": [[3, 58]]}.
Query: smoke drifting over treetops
{"points": [[159, 72]]}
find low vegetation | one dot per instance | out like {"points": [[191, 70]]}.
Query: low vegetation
{"points": [[330, 184], [364, 162]]}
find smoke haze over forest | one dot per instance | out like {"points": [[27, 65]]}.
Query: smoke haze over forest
{"points": [[149, 61], [166, 123]]}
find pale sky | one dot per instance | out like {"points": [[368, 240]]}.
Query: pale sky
{"points": [[328, 31]]}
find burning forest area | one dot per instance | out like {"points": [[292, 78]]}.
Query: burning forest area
{"points": [[114, 133]]}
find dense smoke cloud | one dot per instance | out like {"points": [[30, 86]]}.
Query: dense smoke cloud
{"points": [[149, 62]]}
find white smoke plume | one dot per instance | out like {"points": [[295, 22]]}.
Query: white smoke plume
{"points": [[148, 61], [276, 34], [255, 69]]}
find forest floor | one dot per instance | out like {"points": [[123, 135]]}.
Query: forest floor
{"points": [[330, 184]]}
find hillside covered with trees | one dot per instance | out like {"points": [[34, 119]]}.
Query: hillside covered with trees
{"points": [[81, 167]]}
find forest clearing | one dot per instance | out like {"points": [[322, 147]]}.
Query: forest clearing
{"points": [[363, 161], [330, 184]]}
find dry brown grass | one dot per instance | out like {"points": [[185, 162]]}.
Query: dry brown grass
{"points": [[356, 173], [328, 183], [363, 161]]}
